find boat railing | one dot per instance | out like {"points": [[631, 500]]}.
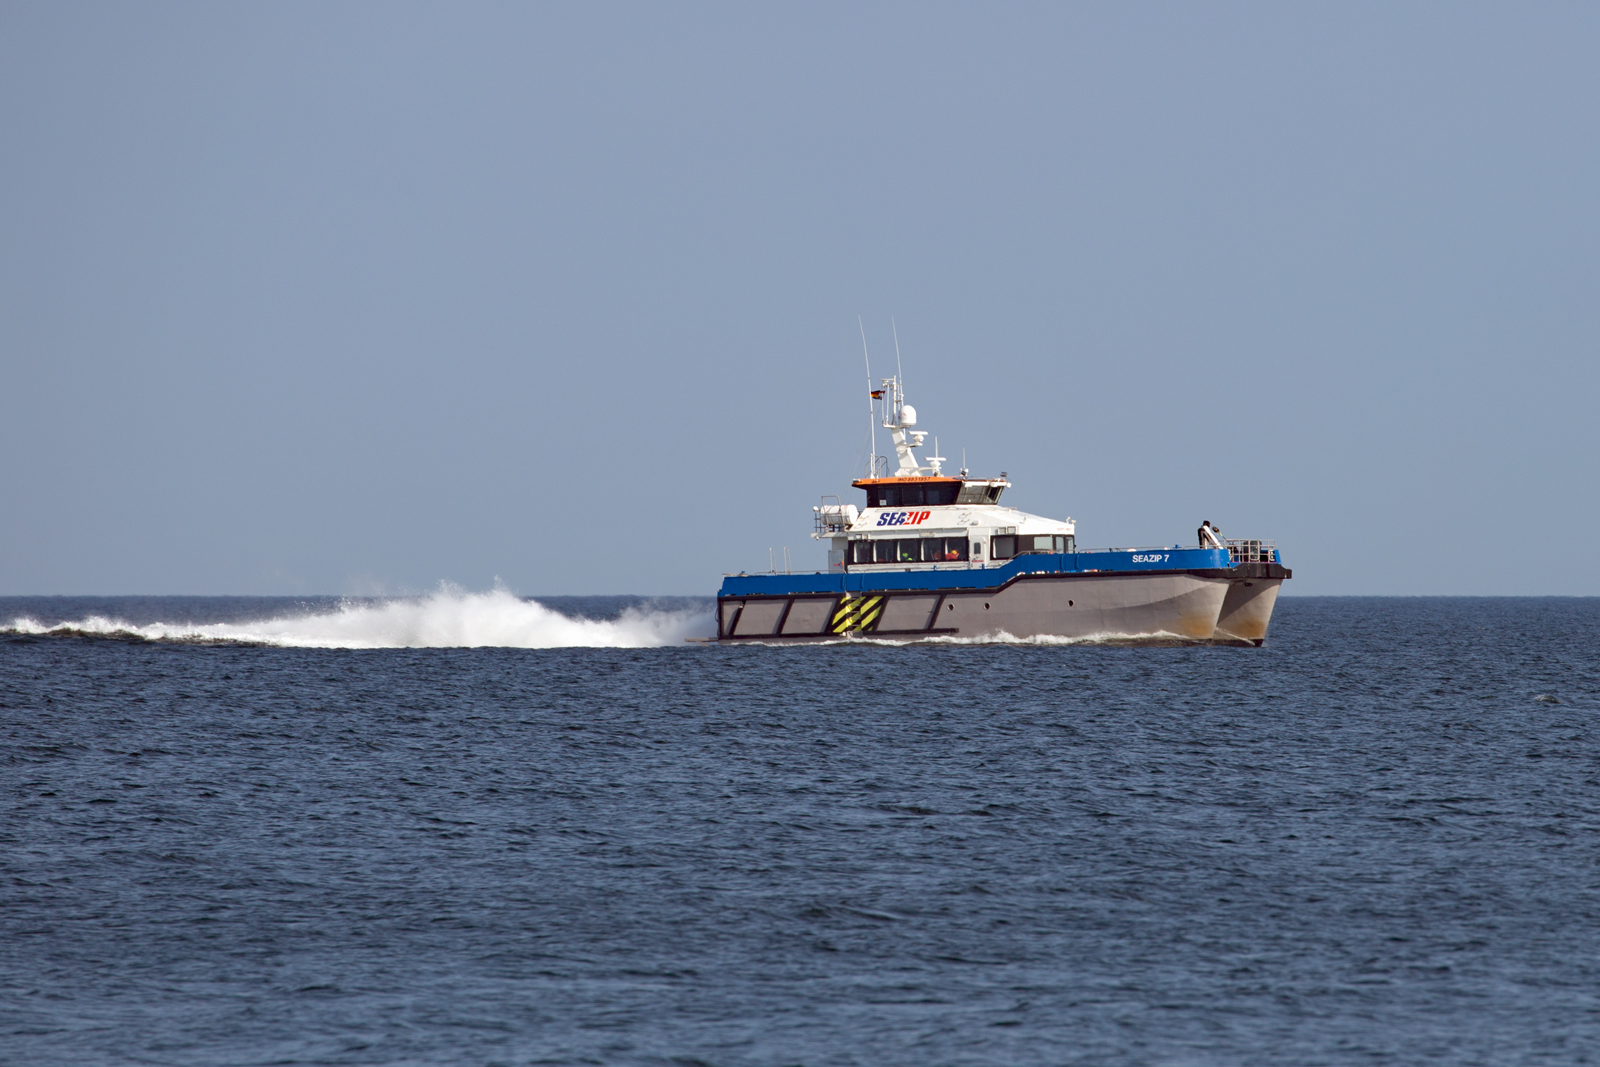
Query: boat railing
{"points": [[1131, 548], [1251, 551], [1242, 550], [758, 574]]}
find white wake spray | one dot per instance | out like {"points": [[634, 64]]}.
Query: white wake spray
{"points": [[448, 618]]}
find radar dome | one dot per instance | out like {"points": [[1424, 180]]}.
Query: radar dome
{"points": [[908, 415]]}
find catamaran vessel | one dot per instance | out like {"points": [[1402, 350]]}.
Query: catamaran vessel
{"points": [[935, 557]]}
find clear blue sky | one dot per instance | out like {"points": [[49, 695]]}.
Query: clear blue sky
{"points": [[324, 298]]}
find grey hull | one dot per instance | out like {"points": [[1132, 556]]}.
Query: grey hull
{"points": [[1171, 606], [1165, 605], [1247, 611]]}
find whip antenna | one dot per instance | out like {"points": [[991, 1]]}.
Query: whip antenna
{"points": [[872, 416], [898, 372]]}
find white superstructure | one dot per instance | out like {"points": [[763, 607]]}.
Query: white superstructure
{"points": [[921, 519]]}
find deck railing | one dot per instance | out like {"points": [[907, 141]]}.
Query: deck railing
{"points": [[1252, 551], [831, 518], [1239, 551]]}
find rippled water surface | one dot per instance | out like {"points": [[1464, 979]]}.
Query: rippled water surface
{"points": [[1375, 840]]}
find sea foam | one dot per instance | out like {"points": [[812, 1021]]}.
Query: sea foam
{"points": [[448, 618]]}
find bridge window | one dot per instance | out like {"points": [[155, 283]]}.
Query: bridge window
{"points": [[1004, 548], [977, 493], [935, 494]]}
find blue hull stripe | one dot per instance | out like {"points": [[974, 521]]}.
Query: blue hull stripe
{"points": [[886, 580]]}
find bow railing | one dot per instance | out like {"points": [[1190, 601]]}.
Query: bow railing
{"points": [[1251, 551]]}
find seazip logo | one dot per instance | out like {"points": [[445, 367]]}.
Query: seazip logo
{"points": [[903, 518]]}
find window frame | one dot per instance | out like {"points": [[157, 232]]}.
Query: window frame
{"points": [[1059, 544], [879, 496], [875, 548]]}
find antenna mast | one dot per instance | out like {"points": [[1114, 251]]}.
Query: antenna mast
{"points": [[872, 415], [899, 375]]}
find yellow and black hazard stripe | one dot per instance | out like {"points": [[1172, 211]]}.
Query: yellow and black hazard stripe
{"points": [[857, 613]]}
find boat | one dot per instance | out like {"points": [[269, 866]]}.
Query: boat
{"points": [[931, 557]]}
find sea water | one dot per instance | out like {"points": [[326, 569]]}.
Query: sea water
{"points": [[242, 831]]}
